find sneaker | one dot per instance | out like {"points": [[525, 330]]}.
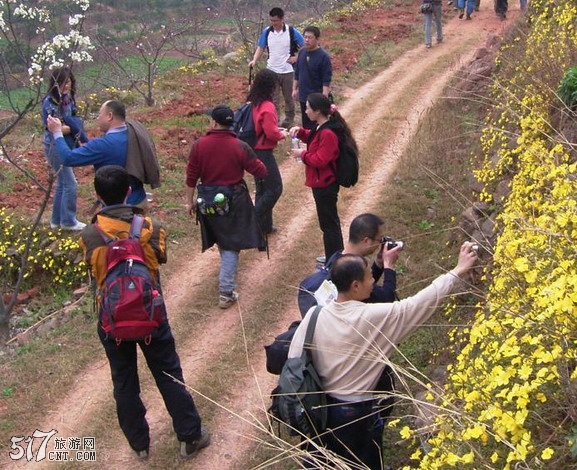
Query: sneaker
{"points": [[439, 41], [428, 46], [54, 226], [142, 454], [226, 300], [461, 13], [468, 17], [189, 449], [76, 227]]}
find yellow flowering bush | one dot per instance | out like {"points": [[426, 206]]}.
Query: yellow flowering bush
{"points": [[510, 400], [52, 257]]}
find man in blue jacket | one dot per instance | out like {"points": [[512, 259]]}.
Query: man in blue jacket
{"points": [[313, 72], [110, 149]]}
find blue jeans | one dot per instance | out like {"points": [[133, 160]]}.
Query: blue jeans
{"points": [[64, 203], [228, 268], [161, 357], [470, 5], [437, 16]]}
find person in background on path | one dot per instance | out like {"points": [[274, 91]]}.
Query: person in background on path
{"points": [[470, 5], [269, 188], [111, 149], [353, 342], [219, 159], [313, 72], [60, 103], [523, 5], [112, 186], [319, 159], [282, 43], [437, 15], [501, 7]]}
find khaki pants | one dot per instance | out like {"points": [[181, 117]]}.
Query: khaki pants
{"points": [[285, 81]]}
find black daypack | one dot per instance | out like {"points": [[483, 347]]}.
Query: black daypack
{"points": [[243, 124], [294, 47], [299, 400], [277, 351], [347, 171]]}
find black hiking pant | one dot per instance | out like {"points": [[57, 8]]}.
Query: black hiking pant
{"points": [[161, 357]]}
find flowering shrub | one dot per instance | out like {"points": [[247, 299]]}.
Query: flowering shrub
{"points": [[52, 258], [510, 400]]}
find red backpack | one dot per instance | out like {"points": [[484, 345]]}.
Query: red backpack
{"points": [[131, 305]]}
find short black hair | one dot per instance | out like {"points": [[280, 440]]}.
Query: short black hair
{"points": [[117, 109], [111, 183], [364, 225], [346, 269], [313, 29], [276, 11]]}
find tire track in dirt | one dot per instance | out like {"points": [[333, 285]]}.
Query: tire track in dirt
{"points": [[214, 330]]}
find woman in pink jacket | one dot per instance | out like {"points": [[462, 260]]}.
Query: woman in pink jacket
{"points": [[269, 189], [320, 159]]}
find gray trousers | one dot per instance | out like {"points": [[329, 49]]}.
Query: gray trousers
{"points": [[285, 81]]}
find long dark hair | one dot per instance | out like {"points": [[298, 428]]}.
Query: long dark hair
{"points": [[57, 79], [319, 102], [262, 89]]}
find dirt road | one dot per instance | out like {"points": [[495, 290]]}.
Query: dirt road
{"points": [[383, 114]]}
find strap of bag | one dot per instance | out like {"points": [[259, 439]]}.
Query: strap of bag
{"points": [[136, 226], [310, 333]]}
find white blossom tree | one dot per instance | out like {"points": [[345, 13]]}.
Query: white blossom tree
{"points": [[35, 37]]}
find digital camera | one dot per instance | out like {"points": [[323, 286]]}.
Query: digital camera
{"points": [[391, 243]]}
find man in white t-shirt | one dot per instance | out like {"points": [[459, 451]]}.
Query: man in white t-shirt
{"points": [[282, 43]]}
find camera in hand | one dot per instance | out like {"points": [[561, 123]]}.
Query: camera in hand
{"points": [[391, 243]]}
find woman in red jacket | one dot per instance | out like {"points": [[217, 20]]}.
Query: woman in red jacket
{"points": [[269, 189], [320, 158]]}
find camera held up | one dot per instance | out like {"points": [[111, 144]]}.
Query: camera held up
{"points": [[391, 243]]}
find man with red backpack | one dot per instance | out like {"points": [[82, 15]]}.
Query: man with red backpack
{"points": [[124, 250]]}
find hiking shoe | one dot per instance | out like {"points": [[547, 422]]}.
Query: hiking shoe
{"points": [[75, 228], [428, 46], [142, 454], [461, 13], [189, 449], [54, 226], [468, 17], [226, 300]]}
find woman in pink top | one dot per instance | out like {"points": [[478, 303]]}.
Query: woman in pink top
{"points": [[268, 189]]}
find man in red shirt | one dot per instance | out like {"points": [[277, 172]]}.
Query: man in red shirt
{"points": [[223, 205]]}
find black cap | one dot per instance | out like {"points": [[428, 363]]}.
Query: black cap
{"points": [[221, 114]]}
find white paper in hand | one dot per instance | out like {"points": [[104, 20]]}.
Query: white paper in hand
{"points": [[326, 293]]}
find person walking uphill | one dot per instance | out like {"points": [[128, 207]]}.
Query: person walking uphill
{"points": [[282, 43], [269, 189], [114, 221], [435, 13], [320, 164], [60, 103], [223, 206]]}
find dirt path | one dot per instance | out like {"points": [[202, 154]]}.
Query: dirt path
{"points": [[412, 83]]}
